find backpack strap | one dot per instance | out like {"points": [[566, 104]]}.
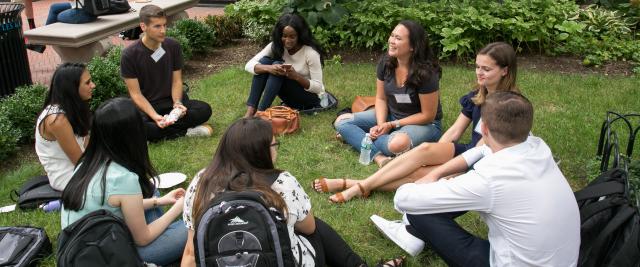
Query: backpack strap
{"points": [[594, 208], [273, 177], [598, 190], [598, 250]]}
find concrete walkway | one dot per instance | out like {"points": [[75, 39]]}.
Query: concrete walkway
{"points": [[43, 65]]}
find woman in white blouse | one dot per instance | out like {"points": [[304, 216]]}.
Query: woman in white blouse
{"points": [[62, 128], [249, 147], [289, 67]]}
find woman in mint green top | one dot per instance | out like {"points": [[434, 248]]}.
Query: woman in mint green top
{"points": [[114, 174], [119, 181]]}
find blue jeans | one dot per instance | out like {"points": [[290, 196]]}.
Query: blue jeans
{"points": [[63, 12], [268, 86], [169, 245], [353, 131], [454, 245]]}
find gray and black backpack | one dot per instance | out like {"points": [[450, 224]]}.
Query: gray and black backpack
{"points": [[240, 229]]}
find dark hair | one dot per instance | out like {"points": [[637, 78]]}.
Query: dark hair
{"points": [[505, 57], [117, 136], [63, 92], [508, 116], [151, 11], [242, 162], [305, 37], [423, 62]]}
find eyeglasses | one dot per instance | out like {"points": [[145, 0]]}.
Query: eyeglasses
{"points": [[276, 144]]}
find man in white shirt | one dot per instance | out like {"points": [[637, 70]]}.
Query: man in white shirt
{"points": [[518, 189]]}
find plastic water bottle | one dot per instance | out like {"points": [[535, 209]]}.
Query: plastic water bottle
{"points": [[365, 150], [174, 115], [324, 100], [51, 206]]}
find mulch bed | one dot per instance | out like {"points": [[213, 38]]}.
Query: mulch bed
{"points": [[240, 51]]}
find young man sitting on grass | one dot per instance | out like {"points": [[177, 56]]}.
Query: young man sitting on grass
{"points": [[152, 70], [517, 188]]}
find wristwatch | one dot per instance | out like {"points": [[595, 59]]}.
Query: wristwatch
{"points": [[396, 124]]}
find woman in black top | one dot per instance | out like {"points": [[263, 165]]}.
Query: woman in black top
{"points": [[407, 110]]}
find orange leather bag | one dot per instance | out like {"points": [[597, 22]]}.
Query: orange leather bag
{"points": [[284, 120], [362, 103]]}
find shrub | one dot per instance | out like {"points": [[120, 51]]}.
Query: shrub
{"points": [[259, 16], [20, 111], [327, 12], [105, 73], [9, 137], [602, 21], [185, 46], [460, 28], [227, 27], [201, 37]]}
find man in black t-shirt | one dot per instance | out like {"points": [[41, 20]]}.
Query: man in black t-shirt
{"points": [[152, 70]]}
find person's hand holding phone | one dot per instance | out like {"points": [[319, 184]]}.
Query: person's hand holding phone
{"points": [[289, 71], [277, 69]]}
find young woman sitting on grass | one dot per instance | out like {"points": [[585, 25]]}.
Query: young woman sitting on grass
{"points": [[249, 147], [496, 70], [114, 174], [289, 67], [407, 108], [62, 129]]}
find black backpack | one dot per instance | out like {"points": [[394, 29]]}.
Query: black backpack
{"points": [[239, 229], [97, 239], [609, 223], [23, 246], [35, 192]]}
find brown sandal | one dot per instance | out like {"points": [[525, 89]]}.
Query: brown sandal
{"points": [[340, 197], [324, 188]]}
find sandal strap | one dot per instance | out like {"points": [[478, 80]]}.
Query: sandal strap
{"points": [[339, 198], [365, 194], [324, 188], [344, 184]]}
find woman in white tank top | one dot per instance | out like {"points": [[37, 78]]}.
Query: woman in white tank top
{"points": [[62, 129]]}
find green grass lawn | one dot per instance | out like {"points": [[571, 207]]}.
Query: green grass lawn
{"points": [[569, 110]]}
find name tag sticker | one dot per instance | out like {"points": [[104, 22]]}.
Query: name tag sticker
{"points": [[477, 129], [403, 98], [157, 55]]}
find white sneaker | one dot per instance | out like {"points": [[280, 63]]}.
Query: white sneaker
{"points": [[397, 233], [200, 131]]}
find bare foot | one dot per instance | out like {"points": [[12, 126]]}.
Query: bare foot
{"points": [[397, 262], [324, 185], [350, 193], [381, 160], [250, 112]]}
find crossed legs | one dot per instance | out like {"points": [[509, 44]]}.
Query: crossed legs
{"points": [[406, 168]]}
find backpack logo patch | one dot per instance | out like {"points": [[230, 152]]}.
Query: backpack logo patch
{"points": [[237, 221]]}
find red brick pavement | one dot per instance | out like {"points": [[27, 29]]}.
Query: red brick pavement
{"points": [[43, 65]]}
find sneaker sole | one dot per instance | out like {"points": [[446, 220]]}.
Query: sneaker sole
{"points": [[413, 254]]}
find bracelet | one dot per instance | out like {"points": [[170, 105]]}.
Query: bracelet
{"points": [[177, 103], [396, 123], [155, 202]]}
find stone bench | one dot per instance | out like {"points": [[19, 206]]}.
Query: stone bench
{"points": [[80, 42]]}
